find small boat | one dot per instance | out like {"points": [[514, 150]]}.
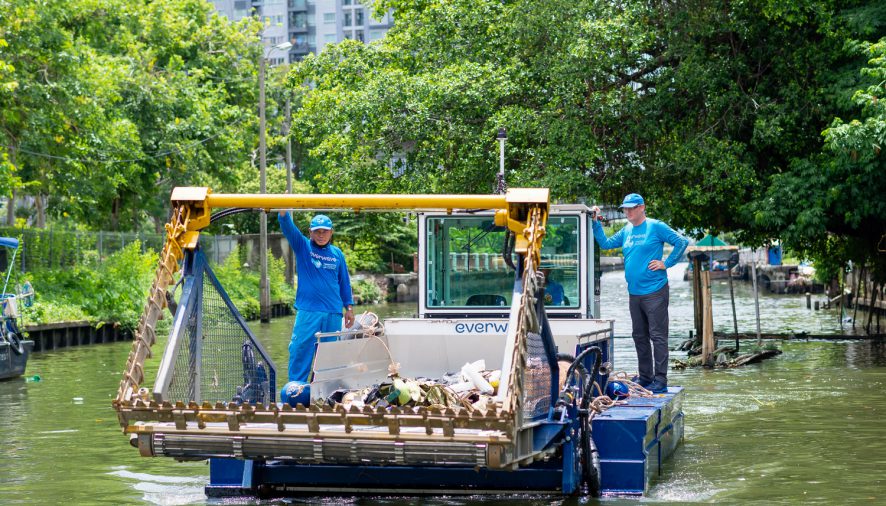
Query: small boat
{"points": [[14, 348], [716, 256]]}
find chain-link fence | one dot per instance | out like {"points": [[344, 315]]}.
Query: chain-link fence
{"points": [[53, 248], [56, 249]]}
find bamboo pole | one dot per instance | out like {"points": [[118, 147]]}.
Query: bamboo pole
{"points": [[756, 296], [732, 301]]}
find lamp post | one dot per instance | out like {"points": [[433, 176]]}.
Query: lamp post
{"points": [[502, 137], [264, 287]]}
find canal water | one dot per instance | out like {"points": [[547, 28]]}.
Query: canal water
{"points": [[806, 427]]}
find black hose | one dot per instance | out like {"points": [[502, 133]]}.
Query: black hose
{"points": [[590, 456], [508, 249], [230, 212]]}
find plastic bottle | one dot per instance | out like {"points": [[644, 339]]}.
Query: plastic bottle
{"points": [[473, 375]]}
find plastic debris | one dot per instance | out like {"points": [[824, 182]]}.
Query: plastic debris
{"points": [[472, 388]]}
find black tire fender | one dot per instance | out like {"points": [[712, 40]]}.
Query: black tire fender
{"points": [[15, 343]]}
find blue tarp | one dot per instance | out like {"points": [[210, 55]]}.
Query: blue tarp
{"points": [[9, 242]]}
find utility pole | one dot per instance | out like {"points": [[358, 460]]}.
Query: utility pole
{"points": [[263, 285], [264, 289], [501, 187], [287, 127]]}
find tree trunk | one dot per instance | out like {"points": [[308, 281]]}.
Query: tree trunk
{"points": [[10, 206], [10, 209], [115, 214], [40, 208]]}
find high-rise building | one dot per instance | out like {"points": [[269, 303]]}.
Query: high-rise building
{"points": [[308, 24]]}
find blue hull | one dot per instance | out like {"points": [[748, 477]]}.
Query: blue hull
{"points": [[12, 364], [633, 441]]}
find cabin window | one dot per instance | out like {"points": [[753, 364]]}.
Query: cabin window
{"points": [[465, 268]]}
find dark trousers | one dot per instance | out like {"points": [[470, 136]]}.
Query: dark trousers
{"points": [[649, 317]]}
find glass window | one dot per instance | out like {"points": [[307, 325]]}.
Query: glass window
{"points": [[346, 2], [347, 19], [329, 38], [329, 18], [359, 35], [358, 17], [466, 269], [376, 34]]}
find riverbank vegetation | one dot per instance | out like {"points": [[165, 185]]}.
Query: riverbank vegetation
{"points": [[115, 290], [763, 119]]}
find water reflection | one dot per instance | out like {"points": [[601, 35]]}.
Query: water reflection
{"points": [[805, 427]]}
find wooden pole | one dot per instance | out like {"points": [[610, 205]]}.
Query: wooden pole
{"points": [[707, 341], [698, 303], [732, 300], [756, 296]]}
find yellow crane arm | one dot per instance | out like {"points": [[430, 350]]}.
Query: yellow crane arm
{"points": [[193, 206]]}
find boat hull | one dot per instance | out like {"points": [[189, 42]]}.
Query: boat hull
{"points": [[12, 364]]}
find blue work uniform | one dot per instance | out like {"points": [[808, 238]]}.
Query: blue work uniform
{"points": [[324, 289], [640, 245], [648, 289]]}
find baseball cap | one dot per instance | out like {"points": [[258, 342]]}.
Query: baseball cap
{"points": [[321, 222], [632, 200]]}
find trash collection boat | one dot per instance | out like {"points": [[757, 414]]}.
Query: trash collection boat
{"points": [[378, 401], [14, 348]]}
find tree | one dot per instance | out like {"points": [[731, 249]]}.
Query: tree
{"points": [[707, 108]]}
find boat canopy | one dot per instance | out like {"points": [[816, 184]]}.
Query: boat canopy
{"points": [[9, 242]]}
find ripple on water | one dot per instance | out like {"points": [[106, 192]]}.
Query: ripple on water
{"points": [[164, 490]]}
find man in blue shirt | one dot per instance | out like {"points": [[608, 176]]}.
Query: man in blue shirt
{"points": [[554, 293], [324, 289], [642, 241]]}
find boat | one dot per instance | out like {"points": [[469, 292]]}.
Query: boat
{"points": [[715, 256], [481, 265], [14, 348]]}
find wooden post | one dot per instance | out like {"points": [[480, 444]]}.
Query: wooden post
{"points": [[756, 297], [808, 300], [732, 300], [698, 302], [707, 339]]}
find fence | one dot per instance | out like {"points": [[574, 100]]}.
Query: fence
{"points": [[53, 248]]}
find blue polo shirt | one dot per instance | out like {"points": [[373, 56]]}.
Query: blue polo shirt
{"points": [[323, 281], [640, 245]]}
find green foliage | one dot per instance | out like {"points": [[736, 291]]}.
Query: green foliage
{"points": [[242, 284], [114, 291], [714, 111], [107, 104], [366, 291]]}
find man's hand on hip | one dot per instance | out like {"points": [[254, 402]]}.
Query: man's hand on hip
{"points": [[656, 265]]}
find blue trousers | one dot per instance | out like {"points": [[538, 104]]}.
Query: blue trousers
{"points": [[302, 346]]}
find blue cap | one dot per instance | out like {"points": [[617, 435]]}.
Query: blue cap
{"points": [[321, 222], [632, 200]]}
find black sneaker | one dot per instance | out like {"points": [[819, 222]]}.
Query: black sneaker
{"points": [[657, 387], [642, 382]]}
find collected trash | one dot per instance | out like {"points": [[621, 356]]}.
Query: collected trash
{"points": [[472, 388]]}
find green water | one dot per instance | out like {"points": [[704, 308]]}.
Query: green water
{"points": [[803, 428]]}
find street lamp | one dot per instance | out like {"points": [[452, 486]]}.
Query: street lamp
{"points": [[264, 287]]}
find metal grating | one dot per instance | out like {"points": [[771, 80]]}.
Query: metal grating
{"points": [[536, 379]]}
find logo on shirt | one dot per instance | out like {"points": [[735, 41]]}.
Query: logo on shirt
{"points": [[323, 262], [635, 239]]}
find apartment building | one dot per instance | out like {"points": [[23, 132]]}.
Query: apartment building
{"points": [[309, 25]]}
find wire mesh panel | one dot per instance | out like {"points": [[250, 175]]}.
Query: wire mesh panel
{"points": [[536, 379], [212, 355]]}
